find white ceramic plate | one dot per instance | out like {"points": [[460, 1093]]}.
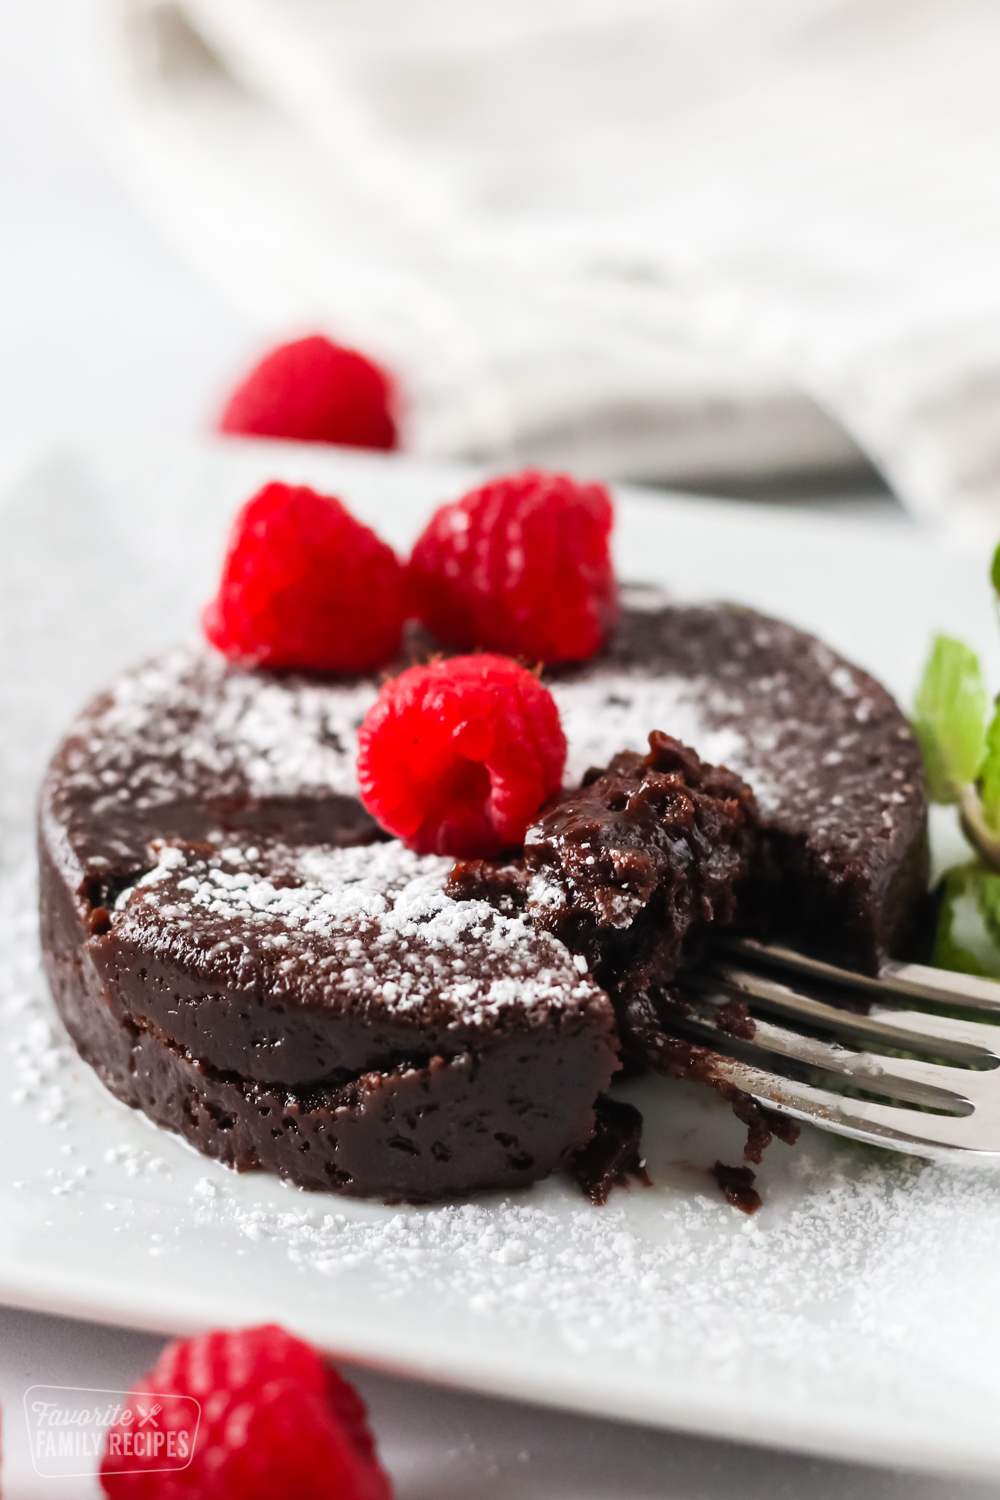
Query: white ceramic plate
{"points": [[858, 1314]]}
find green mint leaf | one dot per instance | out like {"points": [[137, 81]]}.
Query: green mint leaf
{"points": [[987, 893], [995, 570], [989, 771], [968, 925], [950, 709]]}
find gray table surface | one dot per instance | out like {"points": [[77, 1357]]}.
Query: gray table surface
{"points": [[444, 1445]]}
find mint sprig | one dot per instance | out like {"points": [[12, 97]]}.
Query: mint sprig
{"points": [[995, 571], [989, 774], [962, 760], [967, 940], [950, 720]]}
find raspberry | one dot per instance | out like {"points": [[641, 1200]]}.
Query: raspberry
{"points": [[313, 391], [276, 1420], [457, 757], [304, 585], [520, 566]]}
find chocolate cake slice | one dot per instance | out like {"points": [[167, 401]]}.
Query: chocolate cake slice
{"points": [[331, 1014], [201, 846]]}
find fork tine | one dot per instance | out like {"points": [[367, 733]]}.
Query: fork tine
{"points": [[927, 1085], [875, 1031], [909, 981], [952, 1078], [932, 1027], [860, 1119]]}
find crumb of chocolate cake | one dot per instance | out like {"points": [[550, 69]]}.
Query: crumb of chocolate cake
{"points": [[614, 1154], [646, 1023], [735, 1019], [501, 882], [737, 1184]]}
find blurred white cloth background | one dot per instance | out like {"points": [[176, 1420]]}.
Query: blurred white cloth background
{"points": [[646, 237]]}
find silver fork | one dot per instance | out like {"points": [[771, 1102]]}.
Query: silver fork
{"points": [[940, 1098]]}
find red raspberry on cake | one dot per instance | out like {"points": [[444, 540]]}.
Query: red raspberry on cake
{"points": [[314, 391], [457, 757], [306, 587], [522, 566], [276, 1420]]}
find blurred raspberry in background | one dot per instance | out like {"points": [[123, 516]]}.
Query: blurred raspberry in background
{"points": [[314, 391]]}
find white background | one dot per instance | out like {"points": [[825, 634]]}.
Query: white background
{"points": [[102, 330]]}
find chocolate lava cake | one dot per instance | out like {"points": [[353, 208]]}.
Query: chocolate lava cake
{"points": [[240, 951]]}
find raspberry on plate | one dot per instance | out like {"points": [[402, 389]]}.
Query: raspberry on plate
{"points": [[314, 391], [306, 587], [458, 756], [522, 566], [276, 1420]]}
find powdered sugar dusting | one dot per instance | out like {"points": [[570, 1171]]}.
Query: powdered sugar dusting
{"points": [[861, 1276], [187, 716], [367, 928], [608, 712]]}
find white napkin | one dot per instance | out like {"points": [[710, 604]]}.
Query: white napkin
{"points": [[649, 237]]}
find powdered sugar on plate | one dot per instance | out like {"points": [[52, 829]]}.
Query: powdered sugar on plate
{"points": [[865, 1281]]}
